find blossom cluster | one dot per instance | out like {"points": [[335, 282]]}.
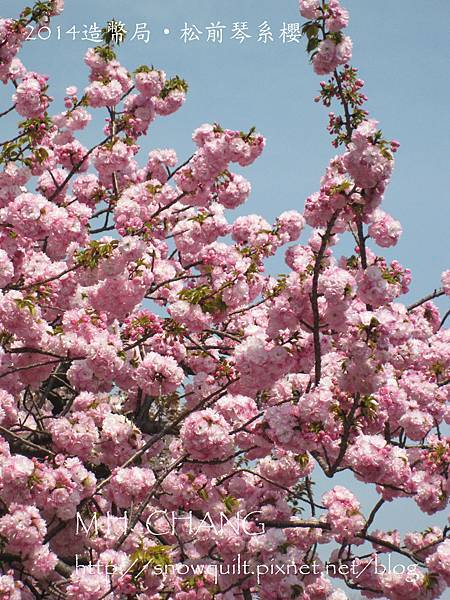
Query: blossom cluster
{"points": [[149, 362]]}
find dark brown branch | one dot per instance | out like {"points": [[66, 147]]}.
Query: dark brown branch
{"points": [[24, 442], [5, 112], [314, 297], [435, 294], [348, 423]]}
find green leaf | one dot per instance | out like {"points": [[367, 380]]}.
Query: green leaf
{"points": [[313, 43], [176, 83], [231, 503], [312, 30], [94, 253]]}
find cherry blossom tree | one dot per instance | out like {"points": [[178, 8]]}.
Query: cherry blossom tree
{"points": [[165, 403]]}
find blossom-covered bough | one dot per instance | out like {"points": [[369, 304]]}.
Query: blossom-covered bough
{"points": [[164, 403]]}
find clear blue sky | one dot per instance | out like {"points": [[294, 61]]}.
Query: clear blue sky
{"points": [[400, 48]]}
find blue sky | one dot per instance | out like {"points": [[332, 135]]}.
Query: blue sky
{"points": [[401, 51]]}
